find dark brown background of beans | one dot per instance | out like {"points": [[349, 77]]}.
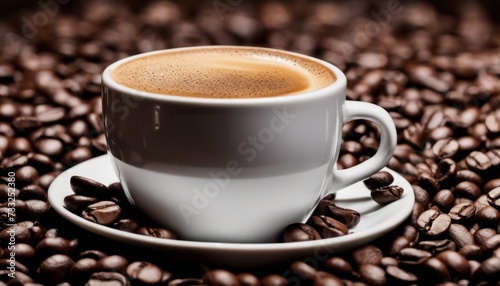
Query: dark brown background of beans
{"points": [[435, 69]]}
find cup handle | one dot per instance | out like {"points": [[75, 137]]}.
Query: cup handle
{"points": [[388, 139]]}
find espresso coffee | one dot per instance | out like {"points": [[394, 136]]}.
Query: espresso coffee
{"points": [[223, 73]]}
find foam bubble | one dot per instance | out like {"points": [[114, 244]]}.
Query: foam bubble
{"points": [[223, 73]]}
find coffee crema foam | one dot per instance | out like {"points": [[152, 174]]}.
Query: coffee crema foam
{"points": [[223, 73]]}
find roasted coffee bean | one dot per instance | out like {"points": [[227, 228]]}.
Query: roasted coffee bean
{"points": [[77, 203], [468, 190], [372, 274], [417, 210], [456, 263], [348, 217], [483, 234], [94, 254], [300, 232], [156, 232], [490, 244], [386, 195], [478, 161], [247, 279], [368, 254], [436, 246], [88, 187], [26, 175], [76, 156], [434, 270], [273, 280], [50, 147], [433, 223], [83, 268], [55, 269], [338, 266], [22, 234], [397, 244], [111, 263], [33, 192], [324, 279], [398, 276], [147, 273], [445, 148], [412, 256], [446, 171], [444, 200], [468, 175], [490, 185], [488, 271], [460, 235], [303, 271], [492, 122], [328, 227], [103, 212], [116, 190], [109, 278], [126, 224], [52, 245], [471, 251], [462, 212], [493, 198], [421, 195], [380, 179], [488, 217]]}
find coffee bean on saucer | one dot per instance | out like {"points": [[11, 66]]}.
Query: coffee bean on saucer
{"points": [[433, 223], [493, 198], [328, 227], [108, 278], [103, 212], [300, 232], [346, 216], [126, 224], [116, 190], [145, 272], [77, 203], [387, 194], [88, 187], [378, 180], [156, 232]]}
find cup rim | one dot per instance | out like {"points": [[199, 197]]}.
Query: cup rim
{"points": [[336, 88]]}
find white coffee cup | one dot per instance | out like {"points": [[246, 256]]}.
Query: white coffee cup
{"points": [[234, 170]]}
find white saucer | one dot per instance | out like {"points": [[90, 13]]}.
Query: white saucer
{"points": [[375, 221]]}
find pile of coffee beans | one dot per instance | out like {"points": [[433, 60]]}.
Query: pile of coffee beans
{"points": [[437, 71]]}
